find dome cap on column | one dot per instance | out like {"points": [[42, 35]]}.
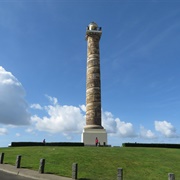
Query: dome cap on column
{"points": [[93, 29], [93, 26]]}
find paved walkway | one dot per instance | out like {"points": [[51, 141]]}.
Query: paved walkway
{"points": [[30, 173], [10, 176]]}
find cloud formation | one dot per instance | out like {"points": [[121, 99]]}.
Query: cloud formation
{"points": [[3, 131], [165, 128], [71, 119], [114, 126], [36, 106], [60, 118], [13, 105], [147, 134], [18, 134], [108, 122]]}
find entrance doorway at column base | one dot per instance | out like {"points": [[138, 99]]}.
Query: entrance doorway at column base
{"points": [[89, 135]]}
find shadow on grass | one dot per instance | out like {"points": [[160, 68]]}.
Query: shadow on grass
{"points": [[83, 179]]}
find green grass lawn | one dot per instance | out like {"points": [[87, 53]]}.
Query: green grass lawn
{"points": [[100, 163]]}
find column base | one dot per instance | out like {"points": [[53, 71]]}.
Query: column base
{"points": [[89, 135]]}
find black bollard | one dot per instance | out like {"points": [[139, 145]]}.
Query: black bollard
{"points": [[42, 166], [120, 174], [2, 158], [18, 161], [171, 176], [74, 170]]}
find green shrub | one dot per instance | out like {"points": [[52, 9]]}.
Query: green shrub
{"points": [[151, 145], [20, 144]]}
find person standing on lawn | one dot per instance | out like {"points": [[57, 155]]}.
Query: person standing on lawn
{"points": [[96, 141]]}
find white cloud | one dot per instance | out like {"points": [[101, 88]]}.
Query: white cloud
{"points": [[29, 130], [13, 105], [18, 134], [53, 100], [36, 106], [3, 131], [68, 136], [83, 108], [124, 129], [144, 133], [165, 128], [108, 122], [115, 126], [71, 119], [60, 118]]}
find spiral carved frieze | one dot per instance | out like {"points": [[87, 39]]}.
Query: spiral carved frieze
{"points": [[93, 82]]}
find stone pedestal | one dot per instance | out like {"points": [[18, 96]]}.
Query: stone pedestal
{"points": [[89, 136]]}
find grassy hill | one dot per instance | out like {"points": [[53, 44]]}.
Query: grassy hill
{"points": [[100, 163]]}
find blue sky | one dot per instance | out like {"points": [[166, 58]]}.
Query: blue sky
{"points": [[43, 69]]}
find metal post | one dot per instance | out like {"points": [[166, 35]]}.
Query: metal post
{"points": [[41, 166], [18, 161], [74, 170], [171, 176], [2, 158], [120, 174]]}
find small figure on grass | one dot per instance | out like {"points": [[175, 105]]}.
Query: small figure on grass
{"points": [[96, 141]]}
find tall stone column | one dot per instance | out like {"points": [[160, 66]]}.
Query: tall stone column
{"points": [[93, 81], [93, 126]]}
